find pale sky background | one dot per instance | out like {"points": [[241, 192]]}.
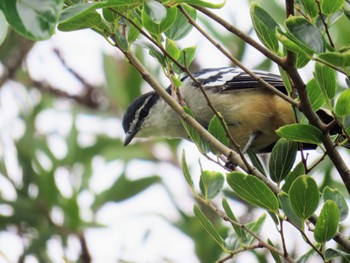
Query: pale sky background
{"points": [[129, 221]]}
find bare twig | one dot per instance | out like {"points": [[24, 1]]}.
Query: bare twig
{"points": [[324, 23]]}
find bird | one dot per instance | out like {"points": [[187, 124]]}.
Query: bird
{"points": [[252, 112]]}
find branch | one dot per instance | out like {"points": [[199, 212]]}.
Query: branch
{"points": [[241, 35]]}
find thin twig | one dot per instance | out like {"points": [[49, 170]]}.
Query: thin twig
{"points": [[324, 23]]}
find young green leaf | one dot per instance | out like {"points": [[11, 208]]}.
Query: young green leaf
{"points": [[288, 211], [304, 196], [301, 133], [181, 27], [282, 159], [172, 49], [265, 26], [310, 7], [186, 171], [337, 58], [305, 34], [155, 11], [342, 107], [290, 44], [298, 170], [230, 214], [186, 57], [208, 226], [336, 196], [316, 97], [327, 223], [217, 130], [331, 6], [252, 190], [211, 183]]}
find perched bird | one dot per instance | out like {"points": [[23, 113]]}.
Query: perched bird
{"points": [[251, 111]]}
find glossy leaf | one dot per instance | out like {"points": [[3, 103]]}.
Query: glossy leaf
{"points": [[316, 97], [332, 253], [336, 196], [186, 57], [172, 49], [265, 26], [217, 130], [326, 80], [155, 11], [305, 34], [181, 26], [156, 28], [34, 19], [241, 235], [331, 6], [282, 159], [288, 211], [327, 223], [208, 226], [256, 162], [3, 27], [186, 171], [310, 7], [211, 183], [297, 171], [304, 196], [255, 227], [337, 58], [301, 133], [342, 107], [252, 190]]}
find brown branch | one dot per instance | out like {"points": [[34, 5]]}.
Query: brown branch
{"points": [[324, 23]]}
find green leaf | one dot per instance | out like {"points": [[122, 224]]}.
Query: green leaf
{"points": [[327, 223], [186, 57], [172, 49], [33, 19], [326, 80], [304, 196], [211, 183], [155, 11], [201, 3], [252, 190], [305, 34], [256, 162], [123, 188], [301, 133], [201, 144], [153, 51], [133, 32], [342, 107], [265, 26], [181, 26], [230, 214], [315, 95], [282, 159], [3, 27], [156, 28], [331, 6], [217, 130], [290, 44], [310, 7], [332, 253], [288, 211], [336, 196], [298, 170], [121, 41], [186, 171], [255, 227], [337, 58], [275, 256], [208, 226]]}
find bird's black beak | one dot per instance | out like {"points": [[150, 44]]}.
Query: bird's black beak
{"points": [[129, 136]]}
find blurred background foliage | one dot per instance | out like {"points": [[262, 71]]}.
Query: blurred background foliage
{"points": [[56, 144]]}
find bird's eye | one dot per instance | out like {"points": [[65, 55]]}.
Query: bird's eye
{"points": [[143, 112]]}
